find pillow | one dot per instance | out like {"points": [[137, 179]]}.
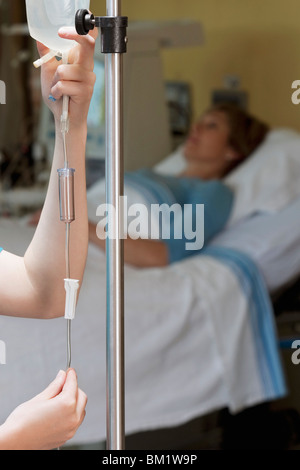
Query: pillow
{"points": [[173, 164], [270, 178], [266, 182]]}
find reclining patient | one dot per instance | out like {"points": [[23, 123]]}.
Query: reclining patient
{"points": [[223, 138]]}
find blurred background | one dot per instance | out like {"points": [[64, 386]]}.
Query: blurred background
{"points": [[182, 56], [256, 41]]}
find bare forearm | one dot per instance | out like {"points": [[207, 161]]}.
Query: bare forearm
{"points": [[45, 258], [138, 253], [33, 286], [145, 253]]}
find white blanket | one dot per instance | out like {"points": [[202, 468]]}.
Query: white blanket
{"points": [[189, 347]]}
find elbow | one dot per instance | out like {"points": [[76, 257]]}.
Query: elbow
{"points": [[46, 295], [53, 313], [50, 304], [51, 309], [56, 308]]}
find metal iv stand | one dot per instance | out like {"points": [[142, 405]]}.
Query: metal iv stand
{"points": [[114, 44]]}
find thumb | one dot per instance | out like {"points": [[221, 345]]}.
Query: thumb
{"points": [[55, 387]]}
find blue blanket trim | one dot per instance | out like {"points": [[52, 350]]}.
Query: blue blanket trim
{"points": [[262, 318]]}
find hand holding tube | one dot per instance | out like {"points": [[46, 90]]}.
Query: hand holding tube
{"points": [[61, 406]]}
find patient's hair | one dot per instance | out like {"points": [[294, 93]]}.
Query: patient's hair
{"points": [[246, 131]]}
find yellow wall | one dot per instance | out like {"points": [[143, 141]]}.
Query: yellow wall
{"points": [[258, 40]]}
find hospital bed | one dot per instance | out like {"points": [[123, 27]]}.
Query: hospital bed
{"points": [[190, 347]]}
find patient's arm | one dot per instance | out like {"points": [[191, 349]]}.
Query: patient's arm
{"points": [[138, 253], [32, 286]]}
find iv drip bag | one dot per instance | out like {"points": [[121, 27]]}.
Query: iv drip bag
{"points": [[45, 17]]}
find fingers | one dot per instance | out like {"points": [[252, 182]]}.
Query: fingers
{"points": [[55, 387], [72, 89], [73, 81], [87, 43], [76, 396], [81, 405], [69, 32], [94, 33], [73, 73], [69, 78]]}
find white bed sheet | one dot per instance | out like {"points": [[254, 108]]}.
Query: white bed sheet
{"points": [[272, 240]]}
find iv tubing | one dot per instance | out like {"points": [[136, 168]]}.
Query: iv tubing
{"points": [[64, 120], [65, 130], [66, 164], [69, 349]]}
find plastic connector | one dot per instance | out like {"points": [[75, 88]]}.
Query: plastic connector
{"points": [[44, 59], [71, 288]]}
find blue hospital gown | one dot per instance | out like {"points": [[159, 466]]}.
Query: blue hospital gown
{"points": [[159, 189]]}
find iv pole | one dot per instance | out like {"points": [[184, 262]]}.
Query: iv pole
{"points": [[114, 40], [114, 246]]}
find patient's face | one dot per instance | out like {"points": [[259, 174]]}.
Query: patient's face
{"points": [[208, 139]]}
